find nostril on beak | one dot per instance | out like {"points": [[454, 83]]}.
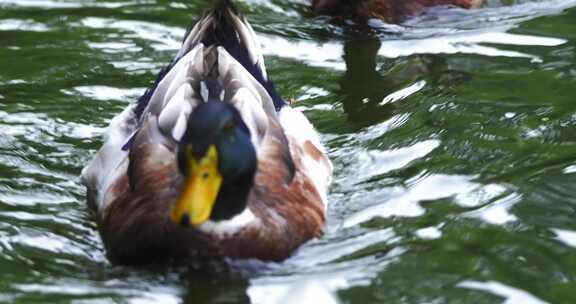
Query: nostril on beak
{"points": [[185, 220]]}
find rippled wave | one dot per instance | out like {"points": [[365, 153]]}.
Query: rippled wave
{"points": [[452, 136]]}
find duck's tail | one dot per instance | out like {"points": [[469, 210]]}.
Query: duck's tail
{"points": [[222, 27], [220, 59], [225, 26]]}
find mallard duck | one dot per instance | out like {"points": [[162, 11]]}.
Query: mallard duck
{"points": [[211, 162], [390, 11]]}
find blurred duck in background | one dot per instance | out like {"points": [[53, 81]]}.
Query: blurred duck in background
{"points": [[389, 11]]}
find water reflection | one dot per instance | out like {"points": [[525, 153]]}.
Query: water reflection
{"points": [[511, 294], [369, 93], [205, 287], [362, 86], [452, 135]]}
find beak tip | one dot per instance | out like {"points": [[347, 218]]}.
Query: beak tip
{"points": [[185, 220]]}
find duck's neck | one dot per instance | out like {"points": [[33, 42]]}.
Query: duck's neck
{"points": [[232, 200], [229, 226], [231, 212]]}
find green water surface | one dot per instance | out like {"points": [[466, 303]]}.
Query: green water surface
{"points": [[453, 137]]}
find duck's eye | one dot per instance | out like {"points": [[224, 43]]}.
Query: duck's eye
{"points": [[228, 127]]}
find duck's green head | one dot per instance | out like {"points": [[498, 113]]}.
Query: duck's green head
{"points": [[218, 161]]}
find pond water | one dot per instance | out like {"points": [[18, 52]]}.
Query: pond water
{"points": [[453, 137]]}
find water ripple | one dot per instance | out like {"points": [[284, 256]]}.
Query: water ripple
{"points": [[454, 168]]}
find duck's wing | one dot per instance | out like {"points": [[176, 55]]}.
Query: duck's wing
{"points": [[307, 149]]}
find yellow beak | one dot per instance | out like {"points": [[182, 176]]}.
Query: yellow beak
{"points": [[201, 187]]}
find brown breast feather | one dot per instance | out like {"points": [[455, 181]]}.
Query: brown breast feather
{"points": [[135, 225]]}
